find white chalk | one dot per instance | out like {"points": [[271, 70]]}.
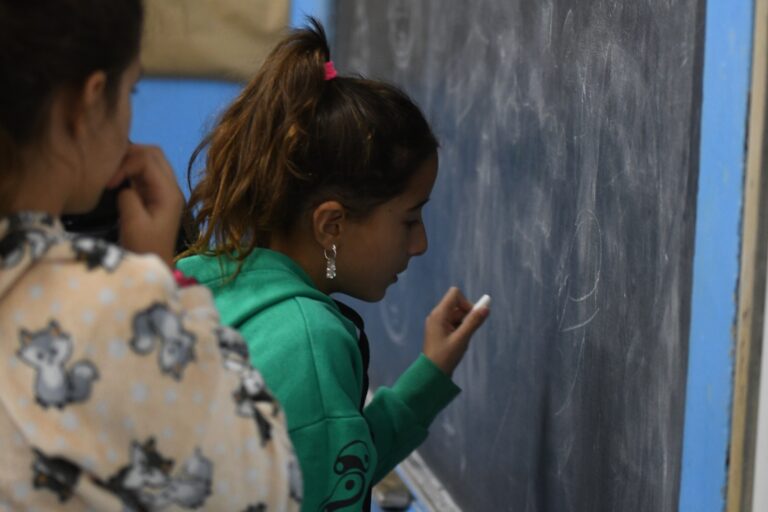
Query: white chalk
{"points": [[482, 302]]}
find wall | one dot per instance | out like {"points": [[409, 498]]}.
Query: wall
{"points": [[718, 238]]}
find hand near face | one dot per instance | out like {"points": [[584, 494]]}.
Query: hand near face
{"points": [[150, 209], [448, 329]]}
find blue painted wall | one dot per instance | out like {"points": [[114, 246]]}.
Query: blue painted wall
{"points": [[320, 9], [706, 434], [175, 114]]}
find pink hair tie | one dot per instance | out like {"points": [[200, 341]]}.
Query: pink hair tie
{"points": [[183, 281], [330, 71]]}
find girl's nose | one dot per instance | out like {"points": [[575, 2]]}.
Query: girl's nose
{"points": [[419, 242]]}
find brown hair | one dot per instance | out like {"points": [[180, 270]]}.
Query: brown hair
{"points": [[51, 45], [293, 139]]}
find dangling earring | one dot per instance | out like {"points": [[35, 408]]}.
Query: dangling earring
{"points": [[330, 262]]}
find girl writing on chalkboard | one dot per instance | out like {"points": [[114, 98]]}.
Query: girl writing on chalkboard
{"points": [[314, 184]]}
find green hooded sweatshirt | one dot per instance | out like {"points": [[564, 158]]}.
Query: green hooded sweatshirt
{"points": [[309, 356]]}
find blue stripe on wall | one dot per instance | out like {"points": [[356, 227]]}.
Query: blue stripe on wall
{"points": [[175, 114], [320, 9], [727, 56]]}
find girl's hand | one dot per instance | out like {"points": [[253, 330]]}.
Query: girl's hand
{"points": [[448, 329], [150, 209]]}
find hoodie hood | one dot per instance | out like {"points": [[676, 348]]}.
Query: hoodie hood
{"points": [[266, 278]]}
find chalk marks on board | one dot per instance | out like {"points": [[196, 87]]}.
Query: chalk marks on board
{"points": [[579, 281], [502, 424], [404, 18], [581, 340], [359, 62], [578, 292], [466, 87]]}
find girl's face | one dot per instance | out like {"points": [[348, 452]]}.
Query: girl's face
{"points": [[105, 143], [377, 248]]}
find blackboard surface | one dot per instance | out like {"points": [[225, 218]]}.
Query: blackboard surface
{"points": [[567, 191]]}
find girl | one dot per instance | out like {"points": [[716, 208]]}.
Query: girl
{"points": [[110, 372], [314, 184]]}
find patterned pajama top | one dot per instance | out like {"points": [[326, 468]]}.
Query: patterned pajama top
{"points": [[121, 391]]}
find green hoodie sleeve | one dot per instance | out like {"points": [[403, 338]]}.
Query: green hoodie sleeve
{"points": [[399, 417], [311, 361]]}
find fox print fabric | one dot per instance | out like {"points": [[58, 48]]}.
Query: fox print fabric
{"points": [[121, 391]]}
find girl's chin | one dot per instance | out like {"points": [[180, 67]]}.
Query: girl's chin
{"points": [[373, 297]]}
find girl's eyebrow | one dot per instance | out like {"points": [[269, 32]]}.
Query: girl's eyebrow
{"points": [[416, 207]]}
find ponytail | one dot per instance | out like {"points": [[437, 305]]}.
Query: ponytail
{"points": [[293, 139]]}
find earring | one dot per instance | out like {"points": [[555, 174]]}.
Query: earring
{"points": [[330, 262]]}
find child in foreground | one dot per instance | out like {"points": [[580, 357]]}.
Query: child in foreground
{"points": [[119, 388], [314, 184]]}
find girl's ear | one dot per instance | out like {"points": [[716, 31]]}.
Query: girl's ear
{"points": [[87, 103], [328, 223]]}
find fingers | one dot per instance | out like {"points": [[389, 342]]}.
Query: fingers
{"points": [[147, 164], [150, 209], [130, 166], [448, 329], [469, 325], [452, 308], [456, 316], [452, 301], [152, 177]]}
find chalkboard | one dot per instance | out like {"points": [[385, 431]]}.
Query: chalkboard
{"points": [[569, 135]]}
